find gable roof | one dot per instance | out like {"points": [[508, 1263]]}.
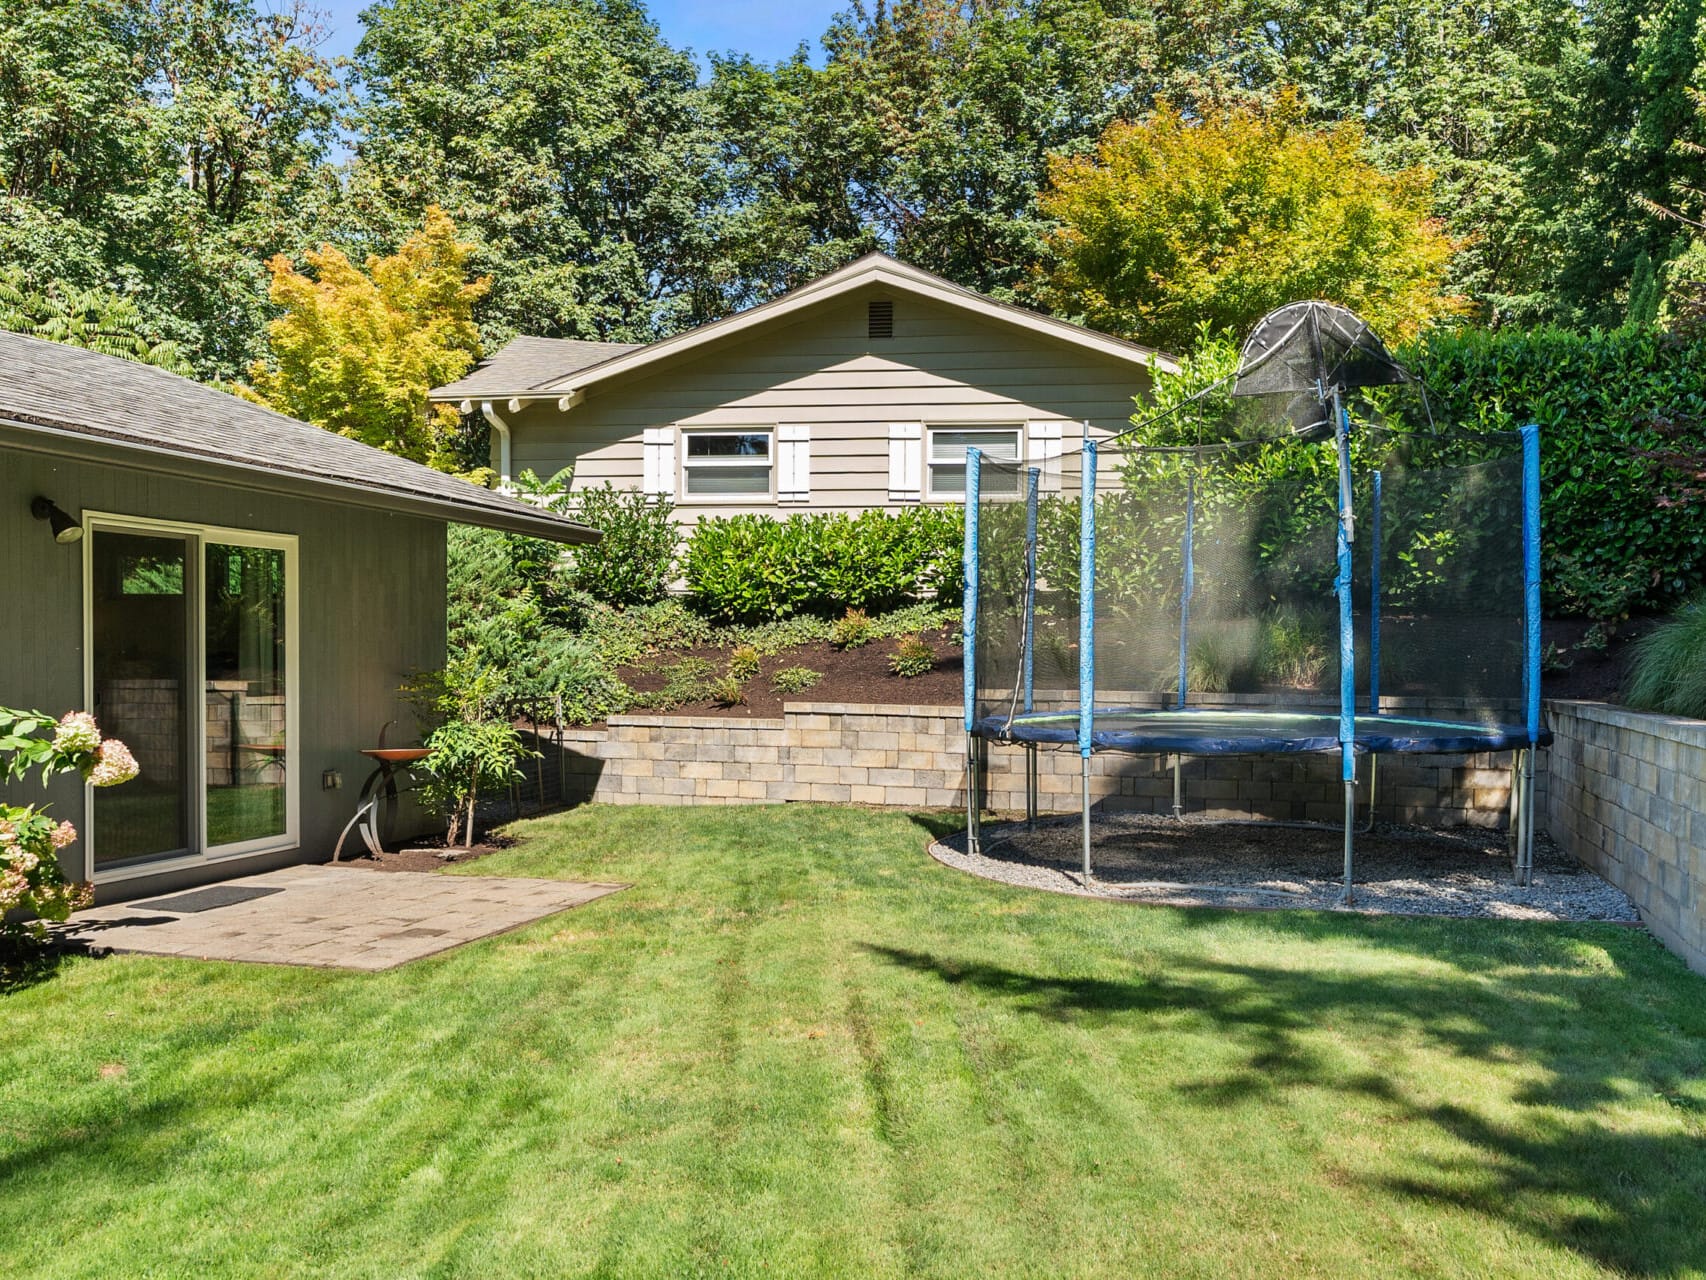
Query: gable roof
{"points": [[63, 395], [523, 379], [525, 362]]}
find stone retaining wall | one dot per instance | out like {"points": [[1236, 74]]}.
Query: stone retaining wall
{"points": [[1626, 799], [915, 756]]}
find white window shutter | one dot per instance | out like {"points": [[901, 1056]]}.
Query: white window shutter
{"points": [[1044, 448], [793, 464], [660, 462], [906, 461]]}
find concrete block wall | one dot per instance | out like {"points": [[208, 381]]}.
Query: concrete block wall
{"points": [[1627, 792], [915, 757]]}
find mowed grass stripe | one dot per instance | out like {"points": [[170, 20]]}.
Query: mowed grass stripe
{"points": [[797, 1046]]}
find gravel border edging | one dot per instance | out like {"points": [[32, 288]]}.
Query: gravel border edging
{"points": [[1279, 867]]}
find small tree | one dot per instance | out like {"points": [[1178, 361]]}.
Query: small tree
{"points": [[357, 351], [1177, 223], [30, 875], [472, 743]]}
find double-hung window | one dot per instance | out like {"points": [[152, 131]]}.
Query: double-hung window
{"points": [[727, 465], [948, 447]]}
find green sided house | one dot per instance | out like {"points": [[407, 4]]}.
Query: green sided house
{"points": [[860, 390], [235, 594]]}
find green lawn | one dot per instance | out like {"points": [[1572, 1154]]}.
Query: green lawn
{"points": [[798, 1047]]}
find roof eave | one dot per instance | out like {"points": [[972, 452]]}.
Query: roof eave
{"points": [[857, 274], [70, 439]]}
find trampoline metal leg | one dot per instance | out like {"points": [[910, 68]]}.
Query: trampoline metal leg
{"points": [[1178, 788], [1373, 776], [972, 841], [1529, 827], [1350, 837], [1086, 818], [1519, 816], [1030, 786]]}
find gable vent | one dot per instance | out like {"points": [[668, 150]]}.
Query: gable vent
{"points": [[879, 319]]}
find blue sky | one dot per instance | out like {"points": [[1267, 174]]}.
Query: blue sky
{"points": [[767, 29]]}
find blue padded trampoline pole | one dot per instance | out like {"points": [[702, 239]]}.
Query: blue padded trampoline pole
{"points": [[1531, 634], [974, 470], [1347, 639], [1086, 631], [1186, 586], [1033, 477], [1374, 602]]}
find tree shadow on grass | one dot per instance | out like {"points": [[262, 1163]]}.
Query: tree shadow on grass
{"points": [[1577, 1171]]}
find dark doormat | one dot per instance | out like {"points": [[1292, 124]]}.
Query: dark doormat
{"points": [[219, 895]]}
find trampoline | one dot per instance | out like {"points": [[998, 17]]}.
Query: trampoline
{"points": [[1280, 564], [1143, 731]]}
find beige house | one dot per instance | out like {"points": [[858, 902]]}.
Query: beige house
{"points": [[861, 389]]}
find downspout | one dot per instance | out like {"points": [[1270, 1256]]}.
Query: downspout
{"points": [[502, 428]]}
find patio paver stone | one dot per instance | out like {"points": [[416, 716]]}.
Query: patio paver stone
{"points": [[335, 917]]}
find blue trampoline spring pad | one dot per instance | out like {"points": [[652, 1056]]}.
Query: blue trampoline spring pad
{"points": [[1145, 731]]}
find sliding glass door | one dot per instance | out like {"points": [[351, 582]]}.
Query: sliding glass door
{"points": [[140, 587], [191, 663]]}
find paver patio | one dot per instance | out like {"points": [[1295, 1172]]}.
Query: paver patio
{"points": [[329, 917]]}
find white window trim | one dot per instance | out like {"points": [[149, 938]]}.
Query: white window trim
{"points": [[725, 499], [200, 854], [1018, 428]]}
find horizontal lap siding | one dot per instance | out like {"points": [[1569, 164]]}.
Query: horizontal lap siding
{"points": [[942, 367]]}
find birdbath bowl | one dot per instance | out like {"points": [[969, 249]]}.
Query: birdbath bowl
{"points": [[397, 755]]}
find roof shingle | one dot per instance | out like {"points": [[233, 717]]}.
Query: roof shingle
{"points": [[73, 391], [525, 363]]}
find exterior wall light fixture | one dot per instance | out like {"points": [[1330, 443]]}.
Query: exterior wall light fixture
{"points": [[65, 529]]}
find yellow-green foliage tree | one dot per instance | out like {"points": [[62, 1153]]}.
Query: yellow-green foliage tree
{"points": [[1176, 223], [356, 351]]}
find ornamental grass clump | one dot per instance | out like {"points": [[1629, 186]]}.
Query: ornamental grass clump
{"points": [[30, 875], [1669, 671]]}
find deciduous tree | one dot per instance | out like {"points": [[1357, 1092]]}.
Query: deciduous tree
{"points": [[1178, 223], [356, 351]]}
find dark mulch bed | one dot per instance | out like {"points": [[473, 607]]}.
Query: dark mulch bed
{"points": [[426, 855], [853, 675], [1598, 676], [863, 675]]}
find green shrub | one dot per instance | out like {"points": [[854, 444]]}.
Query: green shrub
{"points": [[1669, 671], [625, 636], [794, 679], [912, 657], [1296, 648], [749, 567], [775, 636], [635, 560], [689, 680], [743, 662], [1617, 533], [852, 630]]}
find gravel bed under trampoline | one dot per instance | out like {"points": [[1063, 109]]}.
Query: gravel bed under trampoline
{"points": [[1413, 870]]}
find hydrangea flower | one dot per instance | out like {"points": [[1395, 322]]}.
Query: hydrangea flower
{"points": [[113, 764], [64, 835], [77, 733]]}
